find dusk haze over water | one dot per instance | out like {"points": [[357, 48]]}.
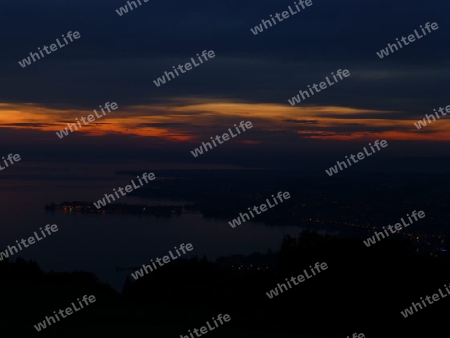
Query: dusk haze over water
{"points": [[248, 169]]}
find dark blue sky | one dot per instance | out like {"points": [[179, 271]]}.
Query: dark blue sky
{"points": [[118, 57]]}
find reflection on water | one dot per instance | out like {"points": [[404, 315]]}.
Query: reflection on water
{"points": [[100, 243]]}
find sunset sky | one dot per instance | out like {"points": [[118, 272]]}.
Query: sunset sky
{"points": [[251, 78]]}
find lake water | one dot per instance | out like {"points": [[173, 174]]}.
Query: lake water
{"points": [[100, 243]]}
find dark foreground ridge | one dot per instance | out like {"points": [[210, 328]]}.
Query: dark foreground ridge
{"points": [[364, 287]]}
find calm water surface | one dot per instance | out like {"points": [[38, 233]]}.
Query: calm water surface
{"points": [[100, 243]]}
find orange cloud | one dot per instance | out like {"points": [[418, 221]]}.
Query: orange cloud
{"points": [[189, 119]]}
